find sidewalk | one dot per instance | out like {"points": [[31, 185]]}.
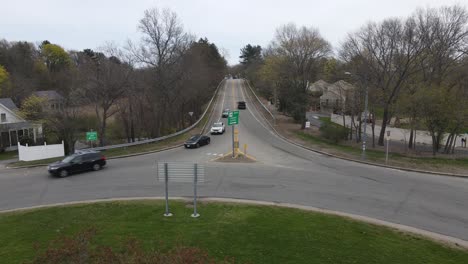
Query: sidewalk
{"points": [[4, 163]]}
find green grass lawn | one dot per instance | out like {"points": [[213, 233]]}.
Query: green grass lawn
{"points": [[325, 119], [34, 162], [8, 155], [249, 234]]}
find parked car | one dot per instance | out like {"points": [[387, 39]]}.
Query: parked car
{"points": [[369, 118], [225, 113], [78, 162], [197, 141], [218, 128], [241, 105]]}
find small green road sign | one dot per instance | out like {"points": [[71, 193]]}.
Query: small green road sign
{"points": [[233, 118], [91, 136]]}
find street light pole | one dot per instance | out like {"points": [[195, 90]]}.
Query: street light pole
{"points": [[364, 135], [388, 143]]}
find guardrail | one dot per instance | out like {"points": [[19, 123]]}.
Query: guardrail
{"points": [[166, 136], [258, 99]]}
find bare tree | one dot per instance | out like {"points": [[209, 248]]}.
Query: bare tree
{"points": [[416, 52], [390, 51], [302, 47], [162, 44], [298, 52], [107, 81], [446, 37], [163, 40]]}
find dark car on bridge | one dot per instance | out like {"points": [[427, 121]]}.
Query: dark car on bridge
{"points": [[197, 141], [225, 113], [78, 162], [241, 105]]}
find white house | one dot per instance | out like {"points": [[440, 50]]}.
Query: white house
{"points": [[316, 90], [335, 96], [53, 100], [13, 128], [319, 86]]}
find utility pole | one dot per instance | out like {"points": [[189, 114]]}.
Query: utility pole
{"points": [[388, 144], [366, 99], [364, 136]]}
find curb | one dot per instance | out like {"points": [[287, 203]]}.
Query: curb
{"points": [[230, 154], [359, 161], [436, 237]]}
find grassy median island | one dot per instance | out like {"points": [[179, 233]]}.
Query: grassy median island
{"points": [[249, 234]]}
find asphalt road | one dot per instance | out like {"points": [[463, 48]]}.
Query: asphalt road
{"points": [[283, 173]]}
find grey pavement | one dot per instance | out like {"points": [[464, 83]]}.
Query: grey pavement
{"points": [[283, 173]]}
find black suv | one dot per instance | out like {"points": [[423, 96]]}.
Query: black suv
{"points": [[241, 105], [78, 162], [197, 141]]}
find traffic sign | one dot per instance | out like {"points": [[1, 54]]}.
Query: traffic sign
{"points": [[91, 136], [233, 118]]}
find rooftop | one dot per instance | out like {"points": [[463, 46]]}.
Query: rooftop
{"points": [[50, 95], [8, 103]]}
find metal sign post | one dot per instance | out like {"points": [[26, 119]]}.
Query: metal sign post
{"points": [[236, 141], [166, 180], [233, 153], [233, 119], [388, 143], [181, 172], [195, 176]]}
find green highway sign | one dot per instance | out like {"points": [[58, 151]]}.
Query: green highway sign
{"points": [[91, 136], [233, 118]]}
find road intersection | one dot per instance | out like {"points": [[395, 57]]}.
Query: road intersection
{"points": [[283, 173]]}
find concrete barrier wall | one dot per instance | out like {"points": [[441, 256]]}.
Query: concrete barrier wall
{"points": [[27, 153]]}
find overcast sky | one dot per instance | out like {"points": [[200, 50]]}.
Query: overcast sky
{"points": [[229, 24]]}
